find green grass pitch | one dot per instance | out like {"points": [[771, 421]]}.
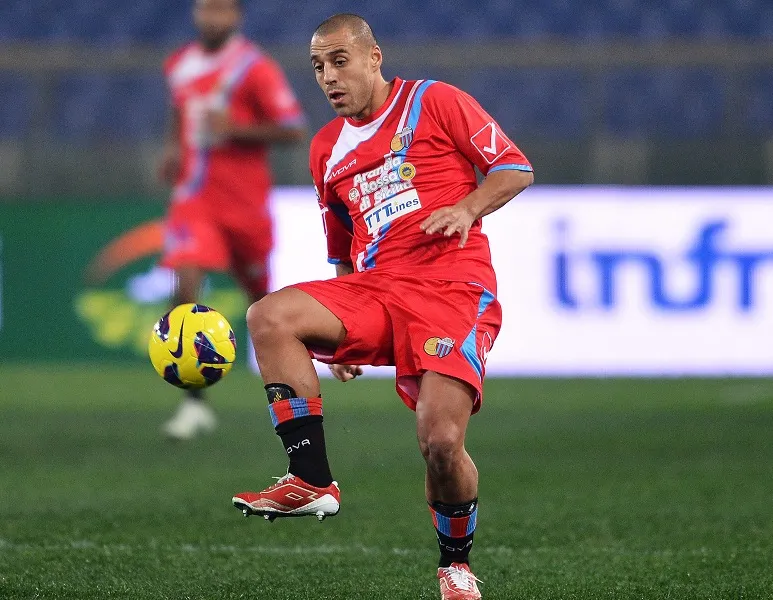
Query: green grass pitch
{"points": [[589, 489]]}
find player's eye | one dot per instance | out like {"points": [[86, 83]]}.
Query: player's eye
{"points": [[318, 68], [340, 62]]}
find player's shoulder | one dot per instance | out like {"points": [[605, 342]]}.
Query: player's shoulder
{"points": [[327, 136], [174, 58], [439, 92], [254, 50], [322, 143]]}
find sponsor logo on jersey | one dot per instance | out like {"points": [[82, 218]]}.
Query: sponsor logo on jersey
{"points": [[402, 140], [391, 209], [440, 347], [406, 171], [340, 170], [354, 195]]}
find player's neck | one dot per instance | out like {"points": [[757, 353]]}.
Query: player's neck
{"points": [[381, 92], [215, 46]]}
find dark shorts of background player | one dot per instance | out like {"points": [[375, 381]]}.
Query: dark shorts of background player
{"points": [[415, 324], [205, 235]]}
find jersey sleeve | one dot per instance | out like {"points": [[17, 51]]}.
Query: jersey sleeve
{"points": [[474, 132], [168, 68], [273, 95], [335, 215]]}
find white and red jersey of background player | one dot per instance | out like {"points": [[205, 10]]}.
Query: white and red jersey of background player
{"points": [[378, 179], [242, 80]]}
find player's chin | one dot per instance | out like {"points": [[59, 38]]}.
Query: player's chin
{"points": [[342, 110], [214, 37]]}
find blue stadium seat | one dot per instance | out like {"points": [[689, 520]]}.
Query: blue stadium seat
{"points": [[538, 102], [103, 107], [17, 102], [169, 21], [668, 103], [757, 112]]}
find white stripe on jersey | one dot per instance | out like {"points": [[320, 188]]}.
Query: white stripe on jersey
{"points": [[407, 109], [351, 136], [195, 63]]}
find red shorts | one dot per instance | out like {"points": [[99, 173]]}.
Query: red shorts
{"points": [[200, 234], [415, 324]]}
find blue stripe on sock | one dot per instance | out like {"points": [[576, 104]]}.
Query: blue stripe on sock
{"points": [[300, 407], [443, 524], [472, 522], [274, 420]]}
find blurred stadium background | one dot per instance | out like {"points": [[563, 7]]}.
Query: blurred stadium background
{"points": [[604, 91], [596, 488]]}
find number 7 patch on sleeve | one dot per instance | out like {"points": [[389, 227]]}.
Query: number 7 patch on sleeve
{"points": [[490, 142]]}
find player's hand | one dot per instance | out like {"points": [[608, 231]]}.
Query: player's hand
{"points": [[219, 124], [345, 372], [450, 220], [169, 165]]}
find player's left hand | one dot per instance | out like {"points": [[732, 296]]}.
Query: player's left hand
{"points": [[450, 220], [219, 124], [345, 372]]}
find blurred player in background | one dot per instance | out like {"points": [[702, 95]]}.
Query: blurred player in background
{"points": [[395, 175], [230, 101]]}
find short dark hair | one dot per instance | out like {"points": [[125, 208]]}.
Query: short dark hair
{"points": [[354, 23]]}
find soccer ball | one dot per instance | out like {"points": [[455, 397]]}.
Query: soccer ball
{"points": [[192, 346]]}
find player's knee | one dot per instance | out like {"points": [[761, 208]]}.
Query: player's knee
{"points": [[267, 319], [441, 450]]}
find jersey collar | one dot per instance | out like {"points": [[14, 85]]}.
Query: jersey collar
{"points": [[396, 82]]}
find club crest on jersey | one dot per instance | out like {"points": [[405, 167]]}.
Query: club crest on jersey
{"points": [[402, 140], [440, 347], [354, 195], [406, 171]]}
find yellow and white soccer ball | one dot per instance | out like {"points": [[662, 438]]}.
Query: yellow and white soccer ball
{"points": [[192, 346]]}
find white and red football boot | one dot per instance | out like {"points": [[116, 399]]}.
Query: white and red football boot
{"points": [[290, 496], [458, 583]]}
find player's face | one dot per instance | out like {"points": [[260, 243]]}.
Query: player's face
{"points": [[346, 70], [216, 20]]}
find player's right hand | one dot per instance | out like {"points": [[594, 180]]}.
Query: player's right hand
{"points": [[345, 372], [169, 165]]}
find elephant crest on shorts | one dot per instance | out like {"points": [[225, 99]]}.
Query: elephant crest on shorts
{"points": [[440, 347]]}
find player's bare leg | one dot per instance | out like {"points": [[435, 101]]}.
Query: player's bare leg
{"points": [[281, 325], [442, 413], [192, 416], [188, 284]]}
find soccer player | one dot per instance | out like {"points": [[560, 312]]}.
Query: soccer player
{"points": [[230, 101], [395, 175]]}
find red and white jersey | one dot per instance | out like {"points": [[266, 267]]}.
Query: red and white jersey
{"points": [[246, 83], [378, 179]]}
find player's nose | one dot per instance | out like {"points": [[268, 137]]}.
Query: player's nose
{"points": [[329, 76]]}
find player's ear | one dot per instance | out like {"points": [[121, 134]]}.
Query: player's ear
{"points": [[376, 58]]}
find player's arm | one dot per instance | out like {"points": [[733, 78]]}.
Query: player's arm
{"points": [[339, 245], [344, 269], [280, 116], [169, 165], [264, 133], [497, 189], [345, 372], [479, 138]]}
